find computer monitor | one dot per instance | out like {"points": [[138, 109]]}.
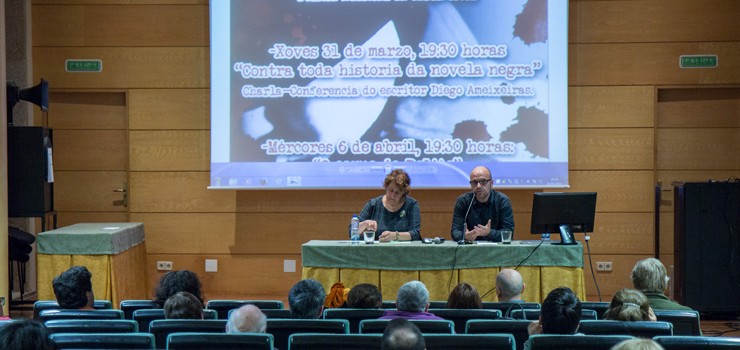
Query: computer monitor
{"points": [[564, 213]]}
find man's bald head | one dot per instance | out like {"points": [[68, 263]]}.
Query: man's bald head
{"points": [[509, 285], [247, 318]]}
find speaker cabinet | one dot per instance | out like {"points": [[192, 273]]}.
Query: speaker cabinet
{"points": [[707, 246], [30, 194]]}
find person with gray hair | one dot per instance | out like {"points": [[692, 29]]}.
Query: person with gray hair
{"points": [[247, 319], [649, 276], [509, 286], [412, 303], [306, 299]]}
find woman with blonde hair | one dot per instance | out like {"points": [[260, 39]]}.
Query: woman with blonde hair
{"points": [[629, 305]]}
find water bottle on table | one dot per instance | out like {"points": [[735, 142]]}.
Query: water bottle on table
{"points": [[355, 229]]}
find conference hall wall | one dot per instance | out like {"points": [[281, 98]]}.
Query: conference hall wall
{"points": [[635, 118]]}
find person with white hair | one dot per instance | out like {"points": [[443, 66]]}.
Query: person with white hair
{"points": [[247, 319], [412, 303], [649, 276]]}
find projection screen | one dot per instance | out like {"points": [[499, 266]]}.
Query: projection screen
{"points": [[337, 93]]}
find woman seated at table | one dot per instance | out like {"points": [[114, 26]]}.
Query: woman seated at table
{"points": [[394, 216]]}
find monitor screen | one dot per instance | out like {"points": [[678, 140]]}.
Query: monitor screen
{"points": [[311, 94], [553, 212]]}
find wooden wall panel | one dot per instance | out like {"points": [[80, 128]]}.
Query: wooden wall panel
{"points": [[71, 217], [87, 110], [652, 21], [126, 67], [175, 233], [352, 201], [611, 106], [698, 149], [174, 192], [618, 191], [169, 109], [622, 233], [610, 282], [90, 149], [170, 150], [613, 148], [699, 108], [650, 64], [238, 276], [100, 26], [88, 190]]}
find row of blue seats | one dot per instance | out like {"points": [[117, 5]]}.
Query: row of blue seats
{"points": [[313, 341], [281, 329], [685, 322]]}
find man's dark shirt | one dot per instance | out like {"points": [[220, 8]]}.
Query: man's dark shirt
{"points": [[497, 209]]}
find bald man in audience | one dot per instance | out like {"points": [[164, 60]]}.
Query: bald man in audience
{"points": [[247, 319], [509, 286]]}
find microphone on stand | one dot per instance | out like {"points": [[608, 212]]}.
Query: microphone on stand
{"points": [[465, 219]]}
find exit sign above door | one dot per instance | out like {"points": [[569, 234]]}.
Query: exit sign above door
{"points": [[79, 66], [698, 61]]}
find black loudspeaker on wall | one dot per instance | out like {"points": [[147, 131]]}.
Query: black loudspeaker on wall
{"points": [[707, 246], [30, 192]]}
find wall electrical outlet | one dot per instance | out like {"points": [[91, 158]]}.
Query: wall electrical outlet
{"points": [[603, 266], [164, 265]]}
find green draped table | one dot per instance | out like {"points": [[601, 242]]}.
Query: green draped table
{"points": [[442, 266], [114, 252]]}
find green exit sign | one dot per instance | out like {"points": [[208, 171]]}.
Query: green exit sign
{"points": [[76, 66], [698, 61]]}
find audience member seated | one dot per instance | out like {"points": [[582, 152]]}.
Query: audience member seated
{"points": [[364, 296], [306, 299], [412, 303], [560, 314], [25, 335], [637, 344], [400, 334], [649, 276], [337, 296], [509, 286], [177, 281], [629, 305], [464, 296], [73, 289], [183, 305], [247, 319]]}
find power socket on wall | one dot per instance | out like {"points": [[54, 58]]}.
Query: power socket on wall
{"points": [[604, 266], [164, 265]]}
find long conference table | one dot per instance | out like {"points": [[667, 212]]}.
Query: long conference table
{"points": [[442, 266]]}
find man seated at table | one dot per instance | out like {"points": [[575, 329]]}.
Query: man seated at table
{"points": [[400, 334], [306, 299], [481, 214], [183, 305], [509, 286], [247, 319], [412, 303], [73, 289]]}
